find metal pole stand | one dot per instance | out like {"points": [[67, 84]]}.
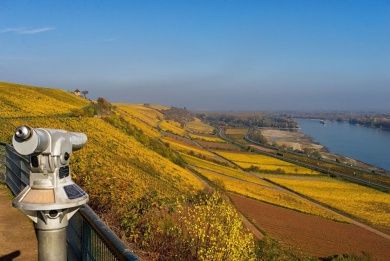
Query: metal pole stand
{"points": [[50, 225]]}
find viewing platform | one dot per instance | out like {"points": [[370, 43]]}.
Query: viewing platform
{"points": [[17, 236]]}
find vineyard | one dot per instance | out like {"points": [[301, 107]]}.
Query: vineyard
{"points": [[264, 163], [359, 201]]}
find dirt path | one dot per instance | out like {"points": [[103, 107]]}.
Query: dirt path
{"points": [[311, 234], [17, 236]]}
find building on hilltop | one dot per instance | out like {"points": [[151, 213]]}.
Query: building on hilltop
{"points": [[77, 92]]}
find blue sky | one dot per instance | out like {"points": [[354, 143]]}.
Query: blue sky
{"points": [[205, 55]]}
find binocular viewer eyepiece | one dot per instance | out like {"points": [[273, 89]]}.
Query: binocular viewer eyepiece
{"points": [[22, 133]]}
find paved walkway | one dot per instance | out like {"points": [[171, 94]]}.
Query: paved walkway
{"points": [[17, 236]]}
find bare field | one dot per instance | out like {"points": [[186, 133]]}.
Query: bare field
{"points": [[311, 234], [294, 139]]}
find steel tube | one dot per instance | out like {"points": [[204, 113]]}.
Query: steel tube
{"points": [[52, 244]]}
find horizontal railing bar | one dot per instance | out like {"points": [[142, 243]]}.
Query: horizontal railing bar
{"points": [[107, 235]]}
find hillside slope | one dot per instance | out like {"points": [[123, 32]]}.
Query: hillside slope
{"points": [[27, 101], [135, 181]]}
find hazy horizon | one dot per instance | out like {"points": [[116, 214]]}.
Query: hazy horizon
{"points": [[203, 55]]}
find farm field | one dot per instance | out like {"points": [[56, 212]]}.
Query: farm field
{"points": [[197, 126], [310, 234], [368, 204], [209, 138], [266, 192], [265, 163]]}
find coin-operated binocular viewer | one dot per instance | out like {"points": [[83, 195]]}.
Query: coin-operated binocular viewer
{"points": [[51, 198]]}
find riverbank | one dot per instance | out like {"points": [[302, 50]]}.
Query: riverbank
{"points": [[301, 142], [356, 145]]}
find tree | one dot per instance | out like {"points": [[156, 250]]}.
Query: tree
{"points": [[84, 93]]}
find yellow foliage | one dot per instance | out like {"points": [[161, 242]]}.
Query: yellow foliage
{"points": [[25, 101], [215, 231], [369, 204], [173, 127], [267, 163], [197, 126]]}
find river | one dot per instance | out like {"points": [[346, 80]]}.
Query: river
{"points": [[365, 144]]}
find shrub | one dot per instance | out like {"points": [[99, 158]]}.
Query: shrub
{"points": [[214, 231], [206, 227]]}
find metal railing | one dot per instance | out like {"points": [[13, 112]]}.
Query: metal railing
{"points": [[88, 238]]}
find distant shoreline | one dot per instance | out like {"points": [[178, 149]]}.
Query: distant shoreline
{"points": [[327, 150]]}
